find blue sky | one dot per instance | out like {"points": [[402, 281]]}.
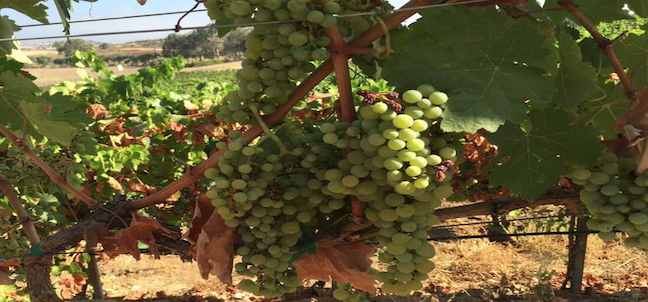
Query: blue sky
{"points": [[113, 8]]}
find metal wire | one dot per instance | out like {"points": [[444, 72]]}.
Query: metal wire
{"points": [[508, 220], [423, 7], [515, 235], [111, 18]]}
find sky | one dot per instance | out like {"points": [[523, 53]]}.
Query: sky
{"points": [[114, 8]]}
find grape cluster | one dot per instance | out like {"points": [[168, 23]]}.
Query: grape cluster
{"points": [[346, 293], [399, 163], [279, 55], [395, 158], [274, 203], [617, 197]]}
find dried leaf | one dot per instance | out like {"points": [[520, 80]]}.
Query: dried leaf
{"points": [[141, 2], [345, 263], [71, 285], [97, 111], [141, 229], [214, 249], [211, 130], [114, 183], [5, 265], [202, 212]]}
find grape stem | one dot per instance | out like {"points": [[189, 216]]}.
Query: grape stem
{"points": [[16, 205], [55, 177], [282, 148], [276, 118]]}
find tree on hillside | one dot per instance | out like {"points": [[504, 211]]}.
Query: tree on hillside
{"points": [[204, 44], [70, 46]]}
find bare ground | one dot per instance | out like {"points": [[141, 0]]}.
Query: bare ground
{"points": [[526, 269]]}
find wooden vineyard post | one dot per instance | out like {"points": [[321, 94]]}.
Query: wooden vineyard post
{"points": [[577, 261], [94, 277]]}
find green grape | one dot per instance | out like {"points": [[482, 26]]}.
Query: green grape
{"points": [[211, 173], [396, 144], [438, 98], [433, 112], [599, 178], [412, 96], [403, 121]]}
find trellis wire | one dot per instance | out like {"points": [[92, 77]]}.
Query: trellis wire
{"points": [[508, 220], [144, 31], [111, 18]]}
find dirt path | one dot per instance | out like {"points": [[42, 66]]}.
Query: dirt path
{"points": [[49, 76]]}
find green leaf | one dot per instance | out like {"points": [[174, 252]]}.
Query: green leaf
{"points": [[17, 88], [575, 79], [65, 109], [11, 48], [482, 57], [32, 8], [38, 115], [596, 11], [64, 8], [640, 7], [633, 53], [605, 105], [533, 165]]}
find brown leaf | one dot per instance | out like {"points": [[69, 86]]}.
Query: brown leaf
{"points": [[94, 233], [141, 2], [211, 130], [214, 249], [114, 183], [345, 263], [97, 111], [71, 285], [202, 212], [141, 229], [5, 265]]}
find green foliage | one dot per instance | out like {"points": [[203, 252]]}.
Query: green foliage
{"points": [[575, 79], [70, 46], [482, 57], [12, 48], [541, 151], [31, 8]]}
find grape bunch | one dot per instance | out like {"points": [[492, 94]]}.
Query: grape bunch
{"points": [[398, 161], [617, 198], [280, 54], [273, 202]]}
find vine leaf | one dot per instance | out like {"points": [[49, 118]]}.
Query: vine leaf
{"points": [[31, 8], [603, 108], [344, 263], [214, 248], [483, 56], [17, 88], [11, 48], [141, 230], [538, 156], [633, 53], [596, 11], [54, 119], [575, 79]]}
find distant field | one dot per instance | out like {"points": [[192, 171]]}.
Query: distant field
{"points": [[49, 76], [125, 51]]}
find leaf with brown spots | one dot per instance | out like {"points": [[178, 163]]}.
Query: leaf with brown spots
{"points": [[141, 229], [344, 263], [214, 248], [5, 265]]}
